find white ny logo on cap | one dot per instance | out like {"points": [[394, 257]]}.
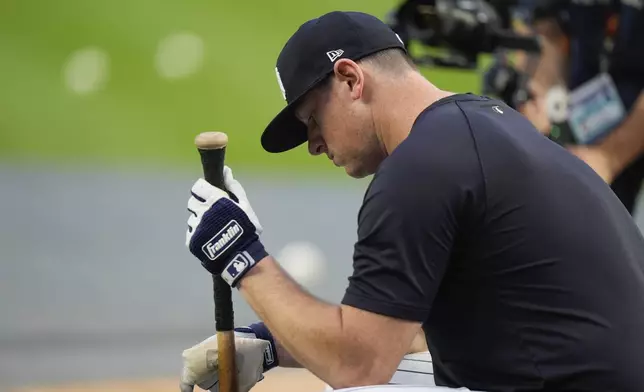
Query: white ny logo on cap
{"points": [[334, 54]]}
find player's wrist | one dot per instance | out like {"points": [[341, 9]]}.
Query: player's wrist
{"points": [[260, 331]]}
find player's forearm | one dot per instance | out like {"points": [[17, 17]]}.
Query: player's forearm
{"points": [[419, 344], [626, 143], [285, 358], [310, 330]]}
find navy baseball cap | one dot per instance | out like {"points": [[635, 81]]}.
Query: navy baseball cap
{"points": [[308, 58]]}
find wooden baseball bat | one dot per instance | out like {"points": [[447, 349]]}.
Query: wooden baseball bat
{"points": [[212, 148]]}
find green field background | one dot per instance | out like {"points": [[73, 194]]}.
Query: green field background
{"points": [[139, 117]]}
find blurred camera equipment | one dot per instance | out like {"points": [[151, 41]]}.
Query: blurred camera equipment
{"points": [[462, 28]]}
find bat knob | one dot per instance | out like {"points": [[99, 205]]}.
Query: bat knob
{"points": [[211, 140]]}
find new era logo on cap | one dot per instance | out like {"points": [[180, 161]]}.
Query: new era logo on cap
{"points": [[334, 54]]}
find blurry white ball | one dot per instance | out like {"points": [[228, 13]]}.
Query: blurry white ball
{"points": [[179, 55], [304, 261], [557, 104], [86, 70]]}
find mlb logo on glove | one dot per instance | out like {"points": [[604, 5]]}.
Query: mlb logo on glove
{"points": [[238, 265]]}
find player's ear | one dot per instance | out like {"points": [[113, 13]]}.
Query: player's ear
{"points": [[348, 72]]}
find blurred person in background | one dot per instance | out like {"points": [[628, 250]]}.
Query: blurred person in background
{"points": [[583, 40]]}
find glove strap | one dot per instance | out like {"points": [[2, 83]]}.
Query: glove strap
{"points": [[260, 331], [242, 262]]}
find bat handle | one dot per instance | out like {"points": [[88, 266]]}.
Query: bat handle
{"points": [[224, 313], [212, 160]]}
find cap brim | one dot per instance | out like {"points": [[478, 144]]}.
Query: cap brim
{"points": [[285, 132]]}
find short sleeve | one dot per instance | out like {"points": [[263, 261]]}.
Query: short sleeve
{"points": [[415, 208]]}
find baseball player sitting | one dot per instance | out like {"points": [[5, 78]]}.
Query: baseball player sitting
{"points": [[518, 262]]}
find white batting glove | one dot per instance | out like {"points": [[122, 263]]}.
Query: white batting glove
{"points": [[223, 231], [200, 364], [236, 189], [205, 191]]}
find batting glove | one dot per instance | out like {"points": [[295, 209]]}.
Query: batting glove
{"points": [[223, 230], [255, 354]]}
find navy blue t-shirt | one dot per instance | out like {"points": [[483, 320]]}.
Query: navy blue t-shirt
{"points": [[525, 270]]}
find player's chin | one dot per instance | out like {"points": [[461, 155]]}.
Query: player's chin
{"points": [[358, 171]]}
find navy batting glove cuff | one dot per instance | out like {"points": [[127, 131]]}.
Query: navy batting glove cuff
{"points": [[261, 332], [242, 262]]}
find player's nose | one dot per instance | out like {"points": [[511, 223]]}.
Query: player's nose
{"points": [[316, 144]]}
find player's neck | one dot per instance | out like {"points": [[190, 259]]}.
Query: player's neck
{"points": [[400, 106]]}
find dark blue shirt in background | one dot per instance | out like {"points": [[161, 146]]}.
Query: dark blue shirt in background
{"points": [[626, 65], [588, 22], [524, 268]]}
